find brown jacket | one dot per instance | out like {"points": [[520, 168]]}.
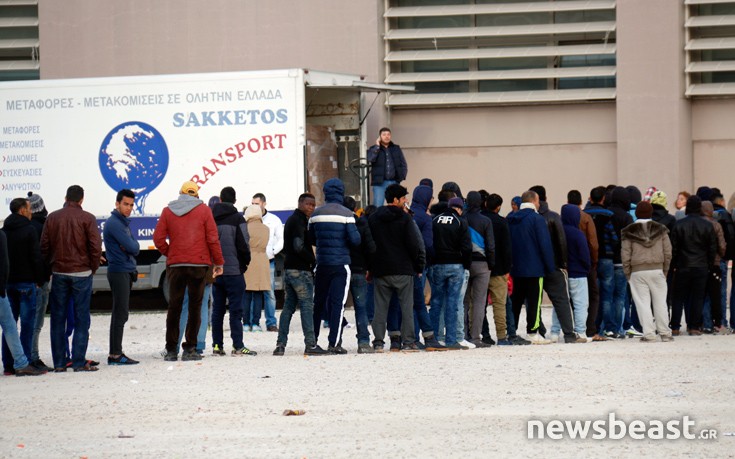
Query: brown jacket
{"points": [[70, 241], [258, 275], [645, 246], [587, 225], [721, 243]]}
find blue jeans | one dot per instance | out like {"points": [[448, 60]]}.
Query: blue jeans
{"points": [[230, 288], [22, 297], [358, 289], [298, 288], [422, 321], [202, 333], [41, 303], [10, 335], [379, 192], [579, 297], [446, 283], [460, 310], [510, 321], [613, 285], [270, 300], [79, 290], [253, 307]]}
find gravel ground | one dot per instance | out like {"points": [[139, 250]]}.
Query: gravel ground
{"points": [[472, 403]]}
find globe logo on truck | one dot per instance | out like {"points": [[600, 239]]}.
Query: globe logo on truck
{"points": [[134, 155]]}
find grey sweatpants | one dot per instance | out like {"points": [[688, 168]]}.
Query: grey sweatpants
{"points": [[475, 299], [384, 288], [649, 290]]}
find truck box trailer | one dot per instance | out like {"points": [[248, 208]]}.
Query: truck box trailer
{"points": [[277, 132]]}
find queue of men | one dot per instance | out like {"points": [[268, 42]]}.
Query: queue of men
{"points": [[617, 266]]}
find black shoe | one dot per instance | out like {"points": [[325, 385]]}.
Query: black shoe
{"points": [[41, 366], [8, 371], [378, 348], [480, 343], [315, 350], [272, 328], [457, 347], [395, 343], [337, 350], [410, 347], [570, 339], [122, 359], [171, 356], [218, 350], [280, 350], [29, 370], [432, 345], [365, 348], [488, 340], [518, 341], [190, 356], [86, 367]]}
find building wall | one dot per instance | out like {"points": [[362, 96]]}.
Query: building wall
{"points": [[651, 135]]}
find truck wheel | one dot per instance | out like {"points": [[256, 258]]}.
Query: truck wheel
{"points": [[164, 286]]}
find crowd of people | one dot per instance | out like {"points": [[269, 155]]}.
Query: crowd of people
{"points": [[614, 265]]}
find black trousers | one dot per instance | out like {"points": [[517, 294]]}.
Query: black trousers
{"points": [[528, 289], [181, 278], [120, 285], [689, 290]]}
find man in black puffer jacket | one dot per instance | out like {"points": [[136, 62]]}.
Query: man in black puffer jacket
{"points": [[230, 286], [555, 283], [694, 245]]}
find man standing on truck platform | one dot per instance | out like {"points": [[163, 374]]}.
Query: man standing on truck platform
{"points": [[121, 249], [275, 245], [192, 246], [72, 245], [387, 165]]}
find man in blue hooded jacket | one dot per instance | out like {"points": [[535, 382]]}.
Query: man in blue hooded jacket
{"points": [[533, 258], [333, 231]]}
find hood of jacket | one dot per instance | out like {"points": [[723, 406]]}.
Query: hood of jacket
{"points": [[334, 191], [570, 215], [15, 221], [388, 214], [421, 198], [645, 233], [222, 210], [184, 204], [620, 198], [474, 201], [520, 215]]}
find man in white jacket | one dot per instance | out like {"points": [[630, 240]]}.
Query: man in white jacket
{"points": [[275, 245]]}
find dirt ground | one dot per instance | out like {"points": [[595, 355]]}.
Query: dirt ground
{"points": [[472, 403]]}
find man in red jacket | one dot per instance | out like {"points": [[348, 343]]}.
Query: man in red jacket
{"points": [[192, 247]]}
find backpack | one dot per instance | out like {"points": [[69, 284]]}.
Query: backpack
{"points": [[728, 230], [610, 241]]}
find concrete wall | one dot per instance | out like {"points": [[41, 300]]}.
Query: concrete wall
{"points": [[506, 150], [714, 144]]}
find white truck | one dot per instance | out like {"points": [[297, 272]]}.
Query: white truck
{"points": [[278, 132]]}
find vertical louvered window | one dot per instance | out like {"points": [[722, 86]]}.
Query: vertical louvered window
{"points": [[710, 27], [19, 40], [460, 52]]}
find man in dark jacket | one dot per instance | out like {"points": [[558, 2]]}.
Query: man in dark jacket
{"points": [[26, 271], [21, 366], [452, 255], [332, 229], [399, 255], [387, 165], [38, 219], [660, 213], [122, 248], [694, 245], [620, 206], [420, 201], [724, 219], [505, 326], [483, 261], [72, 245], [298, 277], [229, 288], [533, 258], [360, 257], [555, 282]]}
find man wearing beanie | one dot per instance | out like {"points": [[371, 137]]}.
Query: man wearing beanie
{"points": [[660, 214], [186, 235], [712, 312], [694, 245], [646, 255], [38, 219]]}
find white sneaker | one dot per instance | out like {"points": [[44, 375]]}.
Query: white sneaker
{"points": [[538, 339], [554, 338], [246, 328], [464, 342], [633, 332], [256, 328], [442, 343]]}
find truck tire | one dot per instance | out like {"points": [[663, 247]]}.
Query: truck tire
{"points": [[164, 286]]}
